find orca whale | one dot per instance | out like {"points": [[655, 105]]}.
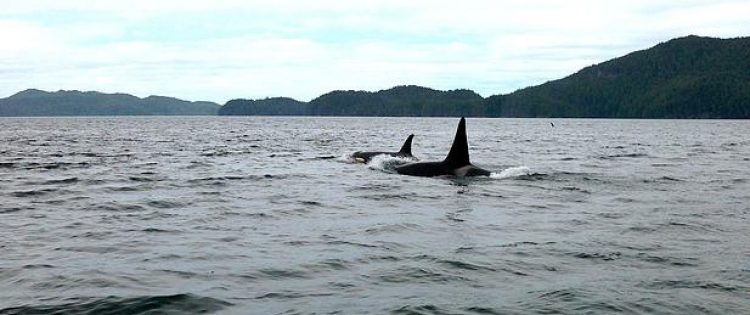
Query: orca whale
{"points": [[405, 151], [456, 163]]}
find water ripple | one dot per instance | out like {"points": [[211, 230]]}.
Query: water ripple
{"points": [[107, 215], [178, 303]]}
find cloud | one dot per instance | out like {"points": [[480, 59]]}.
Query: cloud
{"points": [[218, 50]]}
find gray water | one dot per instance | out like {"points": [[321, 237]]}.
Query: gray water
{"points": [[259, 215]]}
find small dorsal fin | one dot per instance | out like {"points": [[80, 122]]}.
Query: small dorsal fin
{"points": [[406, 148], [459, 153]]}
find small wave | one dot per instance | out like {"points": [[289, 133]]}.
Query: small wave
{"points": [[32, 193], [351, 244], [143, 179], [165, 204], [38, 266], [419, 275], [284, 155], [297, 243], [55, 165], [662, 165], [418, 309], [181, 273], [14, 209], [624, 155], [218, 178], [371, 187], [325, 157], [512, 172], [434, 309], [238, 177], [394, 196], [69, 180], [222, 153], [456, 264], [125, 188], [290, 295], [575, 301], [115, 206], [197, 164], [670, 261], [525, 243], [392, 228], [598, 256], [165, 304], [91, 249], [311, 203], [689, 284], [704, 227], [328, 265], [573, 188], [153, 230], [379, 258], [99, 235], [566, 295], [662, 179], [85, 154], [214, 153], [273, 273], [60, 282], [641, 229]]}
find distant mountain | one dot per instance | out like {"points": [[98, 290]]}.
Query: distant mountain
{"points": [[34, 102], [689, 77], [398, 101], [407, 100], [277, 106]]}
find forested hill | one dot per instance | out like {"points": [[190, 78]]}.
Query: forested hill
{"points": [[275, 106], [76, 103], [398, 101], [688, 77]]}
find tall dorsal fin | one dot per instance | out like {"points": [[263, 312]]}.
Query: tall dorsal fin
{"points": [[406, 148], [459, 153]]}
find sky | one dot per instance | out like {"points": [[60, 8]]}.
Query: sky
{"points": [[225, 49]]}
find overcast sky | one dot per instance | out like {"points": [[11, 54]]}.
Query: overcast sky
{"points": [[223, 49]]}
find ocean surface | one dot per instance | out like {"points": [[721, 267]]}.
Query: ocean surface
{"points": [[268, 215]]}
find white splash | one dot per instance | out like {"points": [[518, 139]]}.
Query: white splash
{"points": [[387, 163], [511, 172], [347, 158]]}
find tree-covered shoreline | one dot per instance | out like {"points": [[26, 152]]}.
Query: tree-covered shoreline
{"points": [[688, 77], [34, 102]]}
